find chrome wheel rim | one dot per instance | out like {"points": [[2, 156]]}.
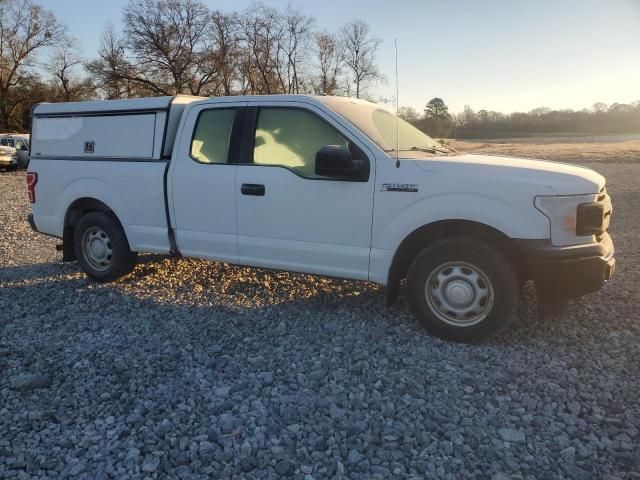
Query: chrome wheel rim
{"points": [[459, 294], [96, 249]]}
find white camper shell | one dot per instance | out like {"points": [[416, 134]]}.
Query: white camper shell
{"points": [[135, 129]]}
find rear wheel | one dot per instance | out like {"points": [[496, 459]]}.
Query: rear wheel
{"points": [[463, 290], [101, 247]]}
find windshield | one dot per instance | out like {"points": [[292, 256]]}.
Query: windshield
{"points": [[379, 125]]}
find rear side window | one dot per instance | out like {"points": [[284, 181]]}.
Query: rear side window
{"points": [[211, 138], [291, 137], [3, 142]]}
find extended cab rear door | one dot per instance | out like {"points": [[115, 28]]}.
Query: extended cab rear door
{"points": [[202, 181], [289, 217]]}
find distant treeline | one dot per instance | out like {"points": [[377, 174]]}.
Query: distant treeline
{"points": [[599, 119]]}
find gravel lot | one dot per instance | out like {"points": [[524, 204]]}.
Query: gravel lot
{"points": [[191, 369]]}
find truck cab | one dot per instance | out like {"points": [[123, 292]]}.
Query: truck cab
{"points": [[323, 185]]}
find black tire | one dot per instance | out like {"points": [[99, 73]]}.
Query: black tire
{"points": [[118, 263], [495, 282]]}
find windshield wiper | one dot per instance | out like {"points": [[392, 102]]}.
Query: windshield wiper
{"points": [[420, 149], [429, 149]]}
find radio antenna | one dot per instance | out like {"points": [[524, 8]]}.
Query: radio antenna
{"points": [[397, 111]]}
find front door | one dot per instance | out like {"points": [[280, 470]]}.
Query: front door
{"points": [[202, 189], [288, 216]]}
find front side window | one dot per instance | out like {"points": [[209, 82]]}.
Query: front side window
{"points": [[212, 135], [291, 137]]}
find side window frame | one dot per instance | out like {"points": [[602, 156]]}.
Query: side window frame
{"points": [[247, 147], [235, 136]]}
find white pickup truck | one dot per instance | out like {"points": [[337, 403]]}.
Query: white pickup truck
{"points": [[324, 185]]}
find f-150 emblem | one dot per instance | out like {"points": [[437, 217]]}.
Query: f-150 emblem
{"points": [[399, 187]]}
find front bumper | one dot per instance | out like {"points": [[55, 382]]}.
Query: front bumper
{"points": [[8, 161], [562, 273]]}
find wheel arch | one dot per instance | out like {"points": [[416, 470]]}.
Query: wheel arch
{"points": [[423, 236], [75, 211]]}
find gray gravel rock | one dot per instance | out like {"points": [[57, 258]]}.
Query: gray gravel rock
{"points": [[30, 381], [193, 369], [150, 464], [511, 435], [226, 422], [266, 378]]}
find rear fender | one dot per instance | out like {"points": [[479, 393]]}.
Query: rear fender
{"points": [[96, 189]]}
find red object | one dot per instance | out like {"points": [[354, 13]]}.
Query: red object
{"points": [[32, 179]]}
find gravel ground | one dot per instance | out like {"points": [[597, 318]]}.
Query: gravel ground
{"points": [[192, 369]]}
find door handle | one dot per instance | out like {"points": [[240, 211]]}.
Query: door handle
{"points": [[255, 189]]}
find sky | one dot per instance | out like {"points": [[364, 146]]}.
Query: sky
{"points": [[503, 55]]}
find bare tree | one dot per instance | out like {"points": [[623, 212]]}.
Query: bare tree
{"points": [[64, 65], [166, 43], [599, 107], [360, 54], [409, 114], [25, 30], [111, 71], [466, 118], [261, 33], [225, 50], [330, 61], [294, 45], [178, 46]]}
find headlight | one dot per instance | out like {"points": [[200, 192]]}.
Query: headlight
{"points": [[562, 212]]}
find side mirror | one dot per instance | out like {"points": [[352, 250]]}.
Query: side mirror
{"points": [[336, 161]]}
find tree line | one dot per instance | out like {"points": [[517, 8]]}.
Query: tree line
{"points": [[437, 121], [167, 47]]}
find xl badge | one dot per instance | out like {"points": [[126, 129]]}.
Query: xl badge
{"points": [[399, 187]]}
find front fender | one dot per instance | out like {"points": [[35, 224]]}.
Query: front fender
{"points": [[515, 220], [512, 219]]}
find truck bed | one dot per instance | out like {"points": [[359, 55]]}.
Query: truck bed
{"points": [[116, 151]]}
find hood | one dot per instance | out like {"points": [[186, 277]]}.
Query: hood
{"points": [[562, 178]]}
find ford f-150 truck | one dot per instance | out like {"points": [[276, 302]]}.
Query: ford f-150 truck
{"points": [[323, 185]]}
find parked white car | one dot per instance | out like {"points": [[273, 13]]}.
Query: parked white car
{"points": [[312, 184], [8, 158], [19, 145]]}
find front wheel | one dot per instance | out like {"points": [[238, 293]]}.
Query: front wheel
{"points": [[101, 247], [463, 290]]}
